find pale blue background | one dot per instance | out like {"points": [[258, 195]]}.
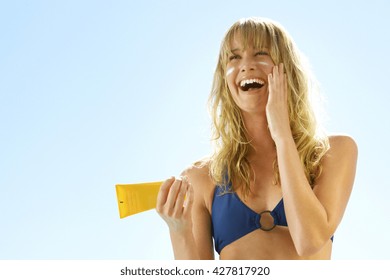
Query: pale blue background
{"points": [[94, 93]]}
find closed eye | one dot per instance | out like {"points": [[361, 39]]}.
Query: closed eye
{"points": [[235, 56], [262, 53]]}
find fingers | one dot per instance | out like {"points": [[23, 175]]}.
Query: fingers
{"points": [[277, 82], [163, 194], [277, 110], [189, 201], [277, 74], [172, 196], [178, 206]]}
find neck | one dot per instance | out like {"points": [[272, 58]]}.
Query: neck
{"points": [[262, 144]]}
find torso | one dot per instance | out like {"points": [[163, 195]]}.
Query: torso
{"points": [[274, 244], [258, 244]]}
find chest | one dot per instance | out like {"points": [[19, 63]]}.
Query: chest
{"points": [[264, 193]]}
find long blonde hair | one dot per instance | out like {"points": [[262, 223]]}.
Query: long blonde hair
{"points": [[229, 162]]}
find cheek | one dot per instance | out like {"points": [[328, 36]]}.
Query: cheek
{"points": [[229, 76], [264, 63], [266, 66], [229, 71]]}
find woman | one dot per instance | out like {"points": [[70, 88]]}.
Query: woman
{"points": [[275, 187]]}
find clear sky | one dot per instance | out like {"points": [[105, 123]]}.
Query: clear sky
{"points": [[95, 93]]}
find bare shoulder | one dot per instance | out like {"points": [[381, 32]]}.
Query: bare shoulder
{"points": [[342, 146], [339, 162], [198, 175], [198, 172]]}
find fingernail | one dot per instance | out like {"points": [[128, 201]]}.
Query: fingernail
{"points": [[184, 178]]}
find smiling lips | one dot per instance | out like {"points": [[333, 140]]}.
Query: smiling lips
{"points": [[248, 84]]}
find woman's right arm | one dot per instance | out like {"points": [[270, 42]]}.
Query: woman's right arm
{"points": [[181, 204]]}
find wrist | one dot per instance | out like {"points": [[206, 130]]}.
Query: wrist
{"points": [[284, 140], [181, 234], [183, 244]]}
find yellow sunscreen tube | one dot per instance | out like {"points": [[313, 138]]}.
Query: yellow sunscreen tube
{"points": [[136, 198]]}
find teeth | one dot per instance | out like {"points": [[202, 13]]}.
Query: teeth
{"points": [[251, 81]]}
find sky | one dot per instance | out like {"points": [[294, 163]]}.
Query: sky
{"points": [[97, 93]]}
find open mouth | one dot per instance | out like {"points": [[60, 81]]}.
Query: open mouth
{"points": [[249, 84]]}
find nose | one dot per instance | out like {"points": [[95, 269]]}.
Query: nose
{"points": [[247, 64]]}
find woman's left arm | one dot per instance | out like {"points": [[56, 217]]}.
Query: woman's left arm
{"points": [[312, 214]]}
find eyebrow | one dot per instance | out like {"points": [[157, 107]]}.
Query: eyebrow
{"points": [[260, 49]]}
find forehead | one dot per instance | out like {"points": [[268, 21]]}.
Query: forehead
{"points": [[241, 45], [244, 38]]}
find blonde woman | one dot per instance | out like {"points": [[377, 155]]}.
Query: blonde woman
{"points": [[276, 187]]}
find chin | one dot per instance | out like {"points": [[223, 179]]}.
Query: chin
{"points": [[255, 105]]}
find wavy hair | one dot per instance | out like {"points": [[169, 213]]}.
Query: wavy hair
{"points": [[229, 161]]}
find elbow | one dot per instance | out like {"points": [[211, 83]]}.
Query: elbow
{"points": [[306, 251], [310, 241], [309, 246]]}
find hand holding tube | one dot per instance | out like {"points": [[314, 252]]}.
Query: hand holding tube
{"points": [[174, 204]]}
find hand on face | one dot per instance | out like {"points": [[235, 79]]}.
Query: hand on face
{"points": [[277, 107]]}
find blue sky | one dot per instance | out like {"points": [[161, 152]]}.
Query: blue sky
{"points": [[95, 93]]}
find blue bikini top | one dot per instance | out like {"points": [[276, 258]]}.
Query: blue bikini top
{"points": [[232, 218]]}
